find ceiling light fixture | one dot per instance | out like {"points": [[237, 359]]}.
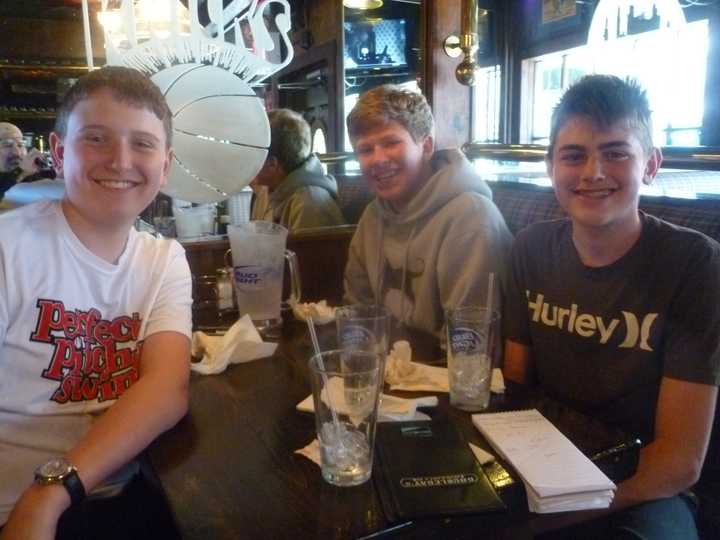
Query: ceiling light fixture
{"points": [[362, 4]]}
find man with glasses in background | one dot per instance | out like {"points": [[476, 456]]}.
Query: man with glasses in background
{"points": [[17, 164]]}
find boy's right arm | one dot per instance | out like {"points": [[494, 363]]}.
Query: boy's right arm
{"points": [[517, 359], [517, 366], [149, 407]]}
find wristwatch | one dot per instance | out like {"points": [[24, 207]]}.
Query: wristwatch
{"points": [[61, 471]]}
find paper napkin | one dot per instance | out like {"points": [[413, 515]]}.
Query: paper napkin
{"points": [[241, 343], [392, 408], [320, 312], [311, 451], [481, 455], [401, 373], [497, 382]]}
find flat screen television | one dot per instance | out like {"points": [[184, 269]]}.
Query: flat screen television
{"points": [[375, 44]]}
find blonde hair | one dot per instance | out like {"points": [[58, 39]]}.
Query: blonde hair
{"points": [[391, 103]]}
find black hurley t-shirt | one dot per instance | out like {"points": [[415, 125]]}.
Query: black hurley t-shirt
{"points": [[602, 338]]}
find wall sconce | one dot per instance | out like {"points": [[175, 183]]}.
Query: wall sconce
{"points": [[467, 43]]}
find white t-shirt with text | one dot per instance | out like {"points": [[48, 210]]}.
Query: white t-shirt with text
{"points": [[72, 327]]}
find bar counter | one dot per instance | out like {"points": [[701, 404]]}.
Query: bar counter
{"points": [[228, 469]]}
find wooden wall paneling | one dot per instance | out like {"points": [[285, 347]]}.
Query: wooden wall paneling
{"points": [[449, 99], [51, 39], [320, 57], [325, 19], [322, 255], [325, 22]]}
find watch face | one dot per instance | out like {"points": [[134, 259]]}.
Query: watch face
{"points": [[55, 468]]}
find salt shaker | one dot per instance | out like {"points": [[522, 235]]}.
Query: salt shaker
{"points": [[225, 292]]}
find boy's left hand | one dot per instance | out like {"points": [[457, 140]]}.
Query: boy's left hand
{"points": [[36, 514]]}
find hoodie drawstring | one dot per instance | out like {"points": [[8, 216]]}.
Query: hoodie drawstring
{"points": [[380, 263], [404, 274]]}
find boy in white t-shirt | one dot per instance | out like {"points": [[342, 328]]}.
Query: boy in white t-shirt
{"points": [[94, 316]]}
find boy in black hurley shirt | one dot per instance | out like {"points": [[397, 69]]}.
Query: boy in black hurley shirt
{"points": [[615, 312]]}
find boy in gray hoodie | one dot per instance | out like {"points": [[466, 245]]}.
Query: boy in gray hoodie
{"points": [[294, 191], [431, 236]]}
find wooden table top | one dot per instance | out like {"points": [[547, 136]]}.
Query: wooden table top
{"points": [[229, 470]]}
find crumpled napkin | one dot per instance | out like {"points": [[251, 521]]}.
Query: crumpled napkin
{"points": [[241, 343], [392, 408], [497, 381], [401, 373], [320, 312]]}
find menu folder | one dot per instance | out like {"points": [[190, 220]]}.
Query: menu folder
{"points": [[426, 469]]}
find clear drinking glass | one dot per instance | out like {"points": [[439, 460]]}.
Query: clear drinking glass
{"points": [[363, 327], [345, 396], [472, 333]]}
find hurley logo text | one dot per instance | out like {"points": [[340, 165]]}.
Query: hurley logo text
{"points": [[587, 325], [86, 360]]}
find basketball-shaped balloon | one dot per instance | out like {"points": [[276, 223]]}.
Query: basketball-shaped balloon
{"points": [[221, 132]]}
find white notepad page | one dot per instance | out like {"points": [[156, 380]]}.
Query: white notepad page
{"points": [[542, 456]]}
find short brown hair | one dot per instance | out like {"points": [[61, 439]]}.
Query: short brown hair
{"points": [[605, 100], [290, 141], [127, 85], [391, 103]]}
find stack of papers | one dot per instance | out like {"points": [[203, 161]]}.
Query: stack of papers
{"points": [[557, 476]]}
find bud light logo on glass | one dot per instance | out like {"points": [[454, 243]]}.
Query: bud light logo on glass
{"points": [[250, 276], [356, 337], [465, 341]]}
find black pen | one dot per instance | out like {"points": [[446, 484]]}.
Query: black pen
{"points": [[383, 532], [613, 450]]}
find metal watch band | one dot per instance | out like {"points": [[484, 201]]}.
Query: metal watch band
{"points": [[74, 487]]}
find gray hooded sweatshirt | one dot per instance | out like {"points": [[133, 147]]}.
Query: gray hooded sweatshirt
{"points": [[436, 253], [306, 198]]}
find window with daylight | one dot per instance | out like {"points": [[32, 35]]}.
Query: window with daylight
{"points": [[669, 63], [486, 106]]}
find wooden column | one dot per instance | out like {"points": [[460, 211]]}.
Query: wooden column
{"points": [[449, 99]]}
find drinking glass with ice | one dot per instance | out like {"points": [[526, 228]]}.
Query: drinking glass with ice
{"points": [[472, 333], [345, 396]]}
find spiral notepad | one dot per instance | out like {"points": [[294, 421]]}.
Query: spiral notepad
{"points": [[557, 476]]}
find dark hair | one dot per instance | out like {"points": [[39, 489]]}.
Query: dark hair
{"points": [[290, 140], [391, 103], [605, 100], [127, 85]]}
